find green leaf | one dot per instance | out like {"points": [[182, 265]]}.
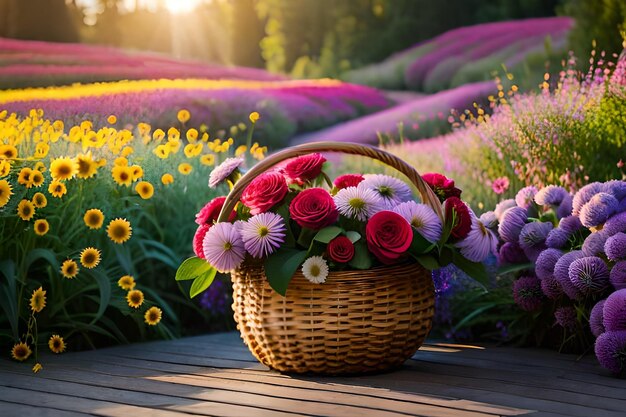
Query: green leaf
{"points": [[428, 262], [514, 268], [327, 234], [353, 236], [280, 267], [104, 285], [283, 211], [306, 237], [39, 253], [202, 282], [192, 268], [475, 270], [419, 245], [8, 294], [362, 258]]}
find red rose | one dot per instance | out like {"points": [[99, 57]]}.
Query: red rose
{"points": [[388, 236], [341, 249], [199, 238], [304, 168], [441, 185], [462, 217], [348, 180], [314, 208], [211, 211], [264, 192]]}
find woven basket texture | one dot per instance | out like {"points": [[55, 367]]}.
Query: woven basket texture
{"points": [[355, 322]]}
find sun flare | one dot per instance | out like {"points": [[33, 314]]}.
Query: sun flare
{"points": [[181, 6]]}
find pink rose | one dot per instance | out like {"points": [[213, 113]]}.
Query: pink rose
{"points": [[462, 217], [264, 192], [211, 211], [304, 168], [441, 185], [314, 208], [340, 249], [389, 236], [348, 180]]}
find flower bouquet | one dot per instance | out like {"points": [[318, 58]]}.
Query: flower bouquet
{"points": [[333, 277]]}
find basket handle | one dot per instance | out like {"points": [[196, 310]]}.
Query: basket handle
{"points": [[428, 196]]}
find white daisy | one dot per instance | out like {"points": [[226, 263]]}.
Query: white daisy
{"points": [[392, 190], [315, 269], [358, 203]]}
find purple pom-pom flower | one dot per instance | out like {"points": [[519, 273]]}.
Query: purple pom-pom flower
{"points": [[611, 351], [526, 196], [596, 319], [617, 276], [597, 210], [532, 238], [527, 293], [614, 311], [615, 247], [511, 224], [544, 267], [561, 273], [584, 195], [617, 188], [565, 208], [570, 224], [511, 253], [551, 287], [615, 224], [557, 238], [566, 317], [589, 274], [552, 195], [594, 243], [503, 206]]}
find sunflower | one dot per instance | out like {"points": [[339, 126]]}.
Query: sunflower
{"points": [[26, 210], [122, 175], [8, 152], [56, 344], [137, 172], [121, 161], [119, 230], [63, 168], [192, 150], [87, 167], [167, 179], [127, 282], [90, 257], [207, 159], [5, 167], [39, 200], [20, 351], [5, 192], [173, 134], [183, 115], [93, 218], [144, 189], [112, 119], [23, 177], [57, 189], [162, 151], [38, 300], [40, 166], [153, 316], [41, 227], [41, 150], [69, 268], [185, 168], [36, 178], [134, 298]]}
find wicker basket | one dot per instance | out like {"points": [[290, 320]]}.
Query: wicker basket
{"points": [[357, 321]]}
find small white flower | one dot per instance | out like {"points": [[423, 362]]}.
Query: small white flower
{"points": [[315, 269]]}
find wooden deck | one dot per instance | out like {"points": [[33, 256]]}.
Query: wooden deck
{"points": [[216, 375]]}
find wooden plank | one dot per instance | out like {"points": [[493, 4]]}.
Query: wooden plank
{"points": [[9, 409]]}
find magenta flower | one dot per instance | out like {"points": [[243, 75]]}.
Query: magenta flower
{"points": [[479, 242], [263, 234], [614, 311], [611, 351], [500, 185], [596, 319], [223, 247], [527, 293], [198, 239], [589, 274], [422, 218]]}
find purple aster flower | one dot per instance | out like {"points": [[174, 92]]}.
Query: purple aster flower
{"points": [[597, 210], [392, 190], [611, 351], [221, 172], [263, 234], [544, 267], [616, 188], [511, 224], [527, 293], [557, 238], [532, 238], [551, 287], [614, 311], [479, 242], [589, 274], [216, 298], [594, 243], [503, 206], [615, 247], [617, 276], [223, 247], [511, 253], [358, 203], [596, 319], [566, 317], [561, 273], [551, 195], [615, 224], [489, 219], [526, 197], [584, 195], [422, 218], [570, 224]]}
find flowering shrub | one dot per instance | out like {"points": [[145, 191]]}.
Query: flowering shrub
{"points": [[89, 223], [570, 254], [293, 217]]}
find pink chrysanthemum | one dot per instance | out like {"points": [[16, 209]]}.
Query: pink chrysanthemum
{"points": [[223, 171], [223, 247], [263, 234]]}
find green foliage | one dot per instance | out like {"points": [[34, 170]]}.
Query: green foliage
{"points": [[281, 265]]}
